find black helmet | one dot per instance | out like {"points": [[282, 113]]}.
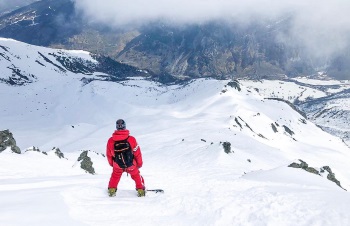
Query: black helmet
{"points": [[120, 124]]}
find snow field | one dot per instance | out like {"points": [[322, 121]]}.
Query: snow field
{"points": [[180, 130]]}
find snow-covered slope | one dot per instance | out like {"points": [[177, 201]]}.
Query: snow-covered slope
{"points": [[21, 63], [184, 132], [325, 102], [299, 89], [332, 113]]}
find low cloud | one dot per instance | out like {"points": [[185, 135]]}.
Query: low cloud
{"points": [[124, 12], [320, 26]]}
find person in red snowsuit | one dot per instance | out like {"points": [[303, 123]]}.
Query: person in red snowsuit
{"points": [[123, 134]]}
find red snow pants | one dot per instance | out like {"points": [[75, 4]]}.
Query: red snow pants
{"points": [[132, 170]]}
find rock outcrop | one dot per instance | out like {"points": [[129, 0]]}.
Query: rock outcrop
{"points": [[58, 153], [86, 163], [227, 147], [303, 165], [7, 140]]}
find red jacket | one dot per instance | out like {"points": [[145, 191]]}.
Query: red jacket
{"points": [[122, 135]]}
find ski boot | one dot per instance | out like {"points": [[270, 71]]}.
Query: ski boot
{"points": [[141, 192], [112, 192]]}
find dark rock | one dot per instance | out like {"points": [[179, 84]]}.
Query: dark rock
{"points": [[331, 175], [58, 152], [289, 131], [247, 125], [303, 165], [86, 163], [294, 165], [302, 121], [239, 124], [227, 147], [312, 170], [235, 84], [33, 149], [15, 149], [7, 140], [262, 136], [274, 128]]}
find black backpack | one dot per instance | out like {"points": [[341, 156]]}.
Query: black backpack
{"points": [[123, 154]]}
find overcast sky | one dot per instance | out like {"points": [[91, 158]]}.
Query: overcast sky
{"points": [[322, 26]]}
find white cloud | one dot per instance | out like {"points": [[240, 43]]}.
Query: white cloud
{"points": [[122, 12], [321, 26]]}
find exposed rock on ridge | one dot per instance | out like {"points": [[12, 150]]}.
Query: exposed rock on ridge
{"points": [[7, 140]]}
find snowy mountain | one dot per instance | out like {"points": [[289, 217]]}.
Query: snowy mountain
{"points": [[41, 23], [213, 49], [22, 64], [218, 148], [325, 102], [332, 113]]}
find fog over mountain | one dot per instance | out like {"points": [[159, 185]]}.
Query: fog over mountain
{"points": [[219, 39], [320, 27]]}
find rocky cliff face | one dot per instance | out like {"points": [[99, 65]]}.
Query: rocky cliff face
{"points": [[7, 141], [213, 49]]}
